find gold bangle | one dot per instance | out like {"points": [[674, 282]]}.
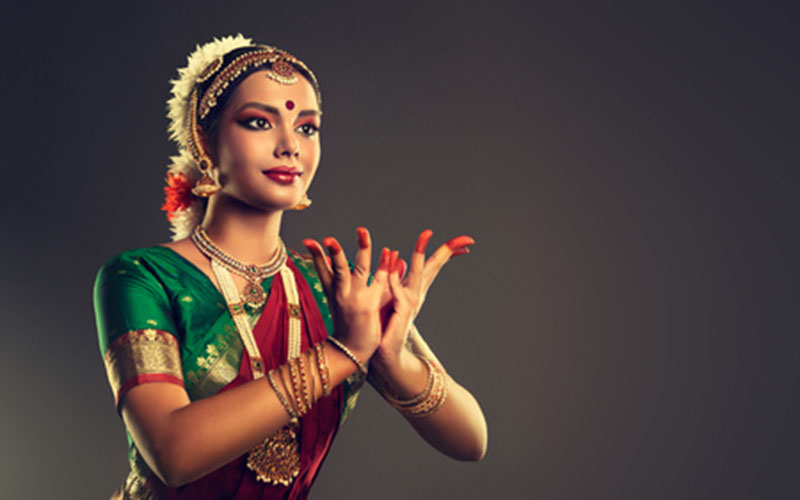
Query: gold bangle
{"points": [[313, 389], [429, 401], [281, 397], [419, 397], [295, 378], [324, 370], [287, 385], [349, 353], [301, 363]]}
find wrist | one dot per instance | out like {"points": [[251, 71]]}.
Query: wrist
{"points": [[355, 356], [405, 376]]}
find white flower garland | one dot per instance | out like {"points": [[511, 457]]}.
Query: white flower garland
{"points": [[178, 110]]}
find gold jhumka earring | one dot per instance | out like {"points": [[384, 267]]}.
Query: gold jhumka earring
{"points": [[303, 204]]}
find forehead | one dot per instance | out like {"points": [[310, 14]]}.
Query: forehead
{"points": [[258, 87]]}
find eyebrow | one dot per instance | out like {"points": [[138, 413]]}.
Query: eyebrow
{"points": [[275, 111]]}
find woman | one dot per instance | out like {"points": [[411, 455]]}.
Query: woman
{"points": [[233, 377]]}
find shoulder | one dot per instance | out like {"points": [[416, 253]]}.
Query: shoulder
{"points": [[138, 269], [305, 263], [303, 258], [138, 260]]}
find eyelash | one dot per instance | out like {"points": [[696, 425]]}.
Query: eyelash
{"points": [[307, 129], [249, 123], [314, 129]]}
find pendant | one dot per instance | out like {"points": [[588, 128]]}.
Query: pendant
{"points": [[276, 460], [254, 295]]}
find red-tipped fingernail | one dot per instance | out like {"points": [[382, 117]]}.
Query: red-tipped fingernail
{"points": [[332, 245], [459, 241], [310, 244], [422, 241], [384, 263], [363, 237], [393, 261], [401, 267], [460, 251]]}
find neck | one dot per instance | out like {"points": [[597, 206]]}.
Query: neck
{"points": [[245, 233]]}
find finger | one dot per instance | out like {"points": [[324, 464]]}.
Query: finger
{"points": [[395, 286], [418, 259], [459, 241], [393, 262], [321, 262], [442, 254], [363, 257], [401, 268], [341, 271], [379, 279]]}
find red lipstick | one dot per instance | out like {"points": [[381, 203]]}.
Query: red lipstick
{"points": [[282, 174]]}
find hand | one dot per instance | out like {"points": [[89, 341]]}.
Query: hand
{"points": [[408, 294], [354, 303]]}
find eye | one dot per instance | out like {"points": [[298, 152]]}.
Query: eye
{"points": [[256, 123], [308, 129]]}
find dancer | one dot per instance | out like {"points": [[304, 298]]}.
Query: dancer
{"points": [[233, 360]]}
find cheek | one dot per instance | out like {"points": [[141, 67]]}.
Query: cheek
{"points": [[313, 154], [235, 149]]}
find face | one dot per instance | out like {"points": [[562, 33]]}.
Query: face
{"points": [[268, 146]]}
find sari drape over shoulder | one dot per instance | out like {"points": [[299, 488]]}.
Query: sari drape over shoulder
{"points": [[160, 319]]}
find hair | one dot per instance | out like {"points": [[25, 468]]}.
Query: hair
{"points": [[184, 210]]}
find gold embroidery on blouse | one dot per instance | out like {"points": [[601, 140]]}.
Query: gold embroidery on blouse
{"points": [[141, 352], [218, 367]]}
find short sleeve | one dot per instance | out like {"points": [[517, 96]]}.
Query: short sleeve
{"points": [[136, 332]]}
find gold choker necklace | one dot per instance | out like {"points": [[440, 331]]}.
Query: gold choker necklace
{"points": [[253, 293]]}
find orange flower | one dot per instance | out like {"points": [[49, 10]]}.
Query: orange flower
{"points": [[178, 193]]}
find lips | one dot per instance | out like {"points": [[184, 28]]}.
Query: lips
{"points": [[282, 175]]}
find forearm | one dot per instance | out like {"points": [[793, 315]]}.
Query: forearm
{"points": [[457, 428], [182, 441]]}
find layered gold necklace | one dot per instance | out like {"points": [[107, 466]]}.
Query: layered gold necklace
{"points": [[253, 292], [276, 460]]}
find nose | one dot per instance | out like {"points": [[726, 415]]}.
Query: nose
{"points": [[287, 145]]}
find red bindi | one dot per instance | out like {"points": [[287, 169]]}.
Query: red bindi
{"points": [[289, 104]]}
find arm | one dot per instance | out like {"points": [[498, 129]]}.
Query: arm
{"points": [[182, 440], [458, 429]]}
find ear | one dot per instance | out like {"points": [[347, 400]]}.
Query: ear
{"points": [[206, 145]]}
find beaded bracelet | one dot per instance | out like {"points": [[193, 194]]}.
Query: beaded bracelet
{"points": [[281, 397], [349, 353]]}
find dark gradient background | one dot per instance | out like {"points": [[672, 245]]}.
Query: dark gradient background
{"points": [[628, 317]]}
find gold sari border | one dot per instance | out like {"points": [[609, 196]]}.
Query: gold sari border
{"points": [[141, 356]]}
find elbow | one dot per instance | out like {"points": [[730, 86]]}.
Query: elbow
{"points": [[170, 474], [475, 451], [477, 454], [172, 479], [477, 446], [172, 469]]}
